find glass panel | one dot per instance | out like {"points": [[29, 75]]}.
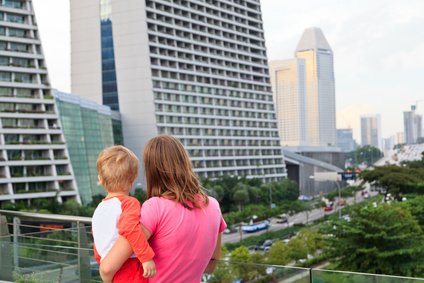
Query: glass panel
{"points": [[322, 276], [16, 32]]}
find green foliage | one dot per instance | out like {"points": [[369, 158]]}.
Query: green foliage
{"points": [[278, 254], [365, 154], [385, 240], [241, 195], [246, 266], [140, 195], [29, 278], [396, 180], [416, 206], [344, 192], [228, 189]]}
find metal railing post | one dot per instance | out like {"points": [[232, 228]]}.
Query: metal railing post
{"points": [[311, 280], [16, 233], [83, 254], [6, 261]]}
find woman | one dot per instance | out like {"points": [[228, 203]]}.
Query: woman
{"points": [[182, 224]]}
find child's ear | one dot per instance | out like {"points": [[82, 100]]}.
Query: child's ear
{"points": [[99, 180]]}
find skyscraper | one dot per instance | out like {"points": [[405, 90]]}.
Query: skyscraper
{"points": [[413, 125], [320, 90], [34, 159], [371, 130], [194, 69], [345, 140], [288, 86]]}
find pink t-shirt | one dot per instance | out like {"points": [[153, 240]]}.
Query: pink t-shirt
{"points": [[183, 240]]}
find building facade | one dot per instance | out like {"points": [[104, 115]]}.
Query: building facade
{"points": [[193, 69], [412, 125], [345, 140], [314, 49], [371, 131], [288, 87], [34, 158], [88, 128]]}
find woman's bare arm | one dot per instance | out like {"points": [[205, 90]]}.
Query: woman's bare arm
{"points": [[215, 256], [116, 257]]}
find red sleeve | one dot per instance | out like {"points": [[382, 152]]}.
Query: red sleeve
{"points": [[130, 228], [96, 254]]}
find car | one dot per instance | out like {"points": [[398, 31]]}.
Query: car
{"points": [[253, 248], [341, 202], [267, 243], [282, 218], [328, 208]]}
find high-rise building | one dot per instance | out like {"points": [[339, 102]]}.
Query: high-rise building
{"points": [[320, 90], [34, 160], [371, 130], [412, 125], [88, 128], [399, 138], [345, 140], [288, 87], [194, 69]]}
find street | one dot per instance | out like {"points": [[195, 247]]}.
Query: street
{"points": [[301, 217]]}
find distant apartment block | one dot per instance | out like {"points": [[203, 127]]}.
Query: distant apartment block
{"points": [[288, 86], [371, 130], [345, 140], [413, 125], [88, 128], [34, 161], [193, 69]]}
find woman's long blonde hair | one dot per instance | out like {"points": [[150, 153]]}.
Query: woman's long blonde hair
{"points": [[169, 172]]}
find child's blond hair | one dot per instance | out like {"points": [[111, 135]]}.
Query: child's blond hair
{"points": [[117, 167]]}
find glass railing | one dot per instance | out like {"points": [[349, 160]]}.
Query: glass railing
{"points": [[228, 271], [57, 248], [324, 276]]}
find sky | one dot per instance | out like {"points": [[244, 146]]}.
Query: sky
{"points": [[378, 50]]}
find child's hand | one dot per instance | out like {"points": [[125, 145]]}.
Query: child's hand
{"points": [[149, 269]]}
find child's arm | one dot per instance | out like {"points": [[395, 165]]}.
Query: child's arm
{"points": [[114, 259], [130, 228]]}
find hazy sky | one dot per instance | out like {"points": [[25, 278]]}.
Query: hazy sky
{"points": [[378, 50]]}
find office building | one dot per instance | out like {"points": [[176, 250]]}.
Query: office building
{"points": [[88, 128], [288, 87], [314, 49], [345, 140], [34, 160], [194, 69], [412, 125], [371, 131]]}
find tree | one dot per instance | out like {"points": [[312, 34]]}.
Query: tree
{"points": [[241, 197], [396, 180], [368, 154], [217, 192], [140, 195], [297, 249], [385, 240], [278, 254], [246, 266]]}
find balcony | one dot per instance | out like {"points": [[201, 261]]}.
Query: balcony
{"points": [[38, 247]]}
